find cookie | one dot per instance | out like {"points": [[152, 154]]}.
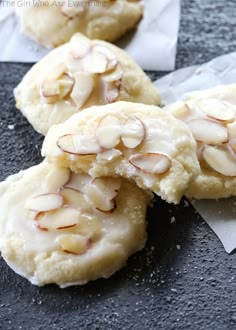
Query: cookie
{"points": [[136, 141], [66, 228], [211, 116], [77, 75], [106, 20]]}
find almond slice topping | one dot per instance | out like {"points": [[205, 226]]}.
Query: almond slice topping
{"points": [[113, 76], [108, 131], [83, 88], [95, 63], [78, 145], [107, 185], [232, 135], [133, 133], [74, 198], [74, 244], [79, 47], [44, 202], [108, 155], [112, 60], [111, 92], [78, 182], [217, 109], [153, 163], [112, 84], [90, 227], [208, 131], [101, 193], [222, 160], [60, 219], [55, 89], [180, 111]]}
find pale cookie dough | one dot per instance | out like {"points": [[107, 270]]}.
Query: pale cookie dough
{"points": [[77, 75], [135, 141], [211, 116], [65, 228], [52, 23]]}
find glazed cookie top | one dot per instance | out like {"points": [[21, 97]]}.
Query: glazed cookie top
{"points": [[136, 141], [211, 117], [66, 228], [106, 19], [77, 75]]}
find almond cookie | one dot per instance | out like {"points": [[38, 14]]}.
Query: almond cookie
{"points": [[52, 23], [135, 141], [65, 228], [77, 75], [211, 116]]}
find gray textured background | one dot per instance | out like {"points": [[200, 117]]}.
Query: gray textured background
{"points": [[183, 279]]}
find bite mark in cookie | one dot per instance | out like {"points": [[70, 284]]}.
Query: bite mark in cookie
{"points": [[135, 141]]}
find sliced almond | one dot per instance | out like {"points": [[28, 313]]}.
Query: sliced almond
{"points": [[54, 90], [217, 109], [112, 60], [83, 88], [74, 244], [66, 84], [90, 227], [112, 93], [112, 84], [220, 159], [114, 75], [79, 46], [44, 202], [133, 133], [95, 63], [74, 198], [180, 110], [108, 155], [232, 135], [101, 193], [108, 131], [78, 145], [99, 201], [60, 219], [153, 163], [50, 89], [208, 131], [79, 182], [107, 185]]}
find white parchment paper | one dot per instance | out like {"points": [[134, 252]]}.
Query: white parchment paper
{"points": [[220, 215], [153, 45]]}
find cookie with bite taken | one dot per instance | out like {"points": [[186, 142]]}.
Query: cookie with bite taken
{"points": [[138, 142]]}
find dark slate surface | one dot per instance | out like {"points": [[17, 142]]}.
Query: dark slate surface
{"points": [[183, 279]]}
